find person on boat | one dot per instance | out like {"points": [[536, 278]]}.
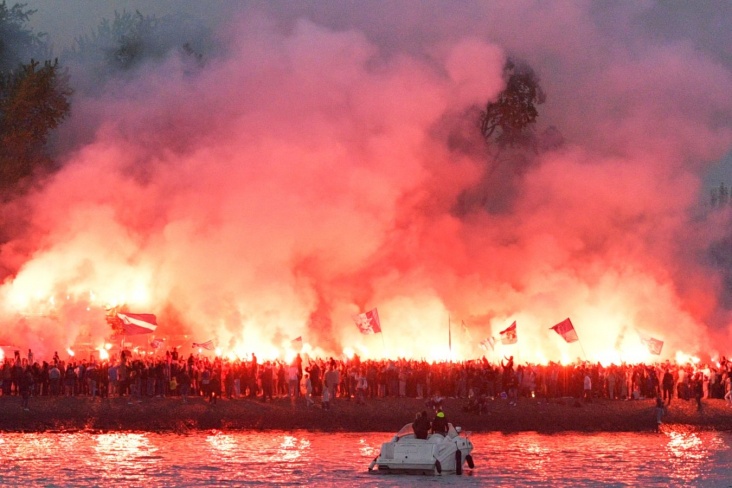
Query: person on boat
{"points": [[439, 423], [421, 425]]}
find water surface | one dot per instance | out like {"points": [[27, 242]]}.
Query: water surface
{"points": [[317, 459]]}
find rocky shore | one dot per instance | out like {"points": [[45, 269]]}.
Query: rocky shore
{"points": [[378, 415]]}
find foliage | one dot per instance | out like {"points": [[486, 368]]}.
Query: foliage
{"points": [[513, 146], [18, 43], [129, 41], [720, 196], [33, 101], [122, 42], [508, 122]]}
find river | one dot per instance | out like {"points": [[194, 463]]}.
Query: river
{"points": [[340, 460]]}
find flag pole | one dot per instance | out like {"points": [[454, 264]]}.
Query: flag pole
{"points": [[618, 342], [449, 335], [583, 348]]}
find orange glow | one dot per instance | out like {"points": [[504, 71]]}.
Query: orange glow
{"points": [[683, 358], [608, 341], [223, 241]]}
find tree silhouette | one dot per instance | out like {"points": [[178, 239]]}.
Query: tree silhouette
{"points": [[33, 102], [508, 121]]}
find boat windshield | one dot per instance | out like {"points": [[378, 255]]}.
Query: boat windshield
{"points": [[405, 431]]}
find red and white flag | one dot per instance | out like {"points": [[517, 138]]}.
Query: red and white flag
{"points": [[509, 335], [157, 342], [654, 345], [368, 322], [297, 343], [138, 323], [566, 330]]}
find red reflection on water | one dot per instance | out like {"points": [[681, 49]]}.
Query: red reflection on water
{"points": [[291, 447], [686, 454]]}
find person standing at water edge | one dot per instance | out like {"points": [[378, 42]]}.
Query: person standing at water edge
{"points": [[214, 387], [113, 376], [293, 381], [697, 387], [184, 382], [54, 378], [25, 383], [667, 383], [660, 410], [309, 390], [326, 398], [332, 379], [361, 387]]}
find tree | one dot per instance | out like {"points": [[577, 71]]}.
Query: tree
{"points": [[120, 46], [507, 126], [33, 102], [17, 42], [508, 122]]}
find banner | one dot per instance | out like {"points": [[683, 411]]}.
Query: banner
{"points": [[208, 345], [368, 322], [156, 343], [138, 323], [297, 343], [509, 335], [566, 330]]}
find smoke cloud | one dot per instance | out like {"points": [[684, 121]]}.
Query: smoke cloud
{"points": [[308, 171]]}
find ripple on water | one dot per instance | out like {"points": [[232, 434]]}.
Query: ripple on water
{"points": [[302, 458]]}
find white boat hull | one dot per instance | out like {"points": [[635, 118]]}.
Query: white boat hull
{"points": [[437, 454]]}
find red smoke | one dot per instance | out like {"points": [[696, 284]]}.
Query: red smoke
{"points": [[306, 176]]}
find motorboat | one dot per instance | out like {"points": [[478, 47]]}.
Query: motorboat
{"points": [[437, 454]]}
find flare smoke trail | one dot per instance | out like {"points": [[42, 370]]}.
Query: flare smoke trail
{"points": [[310, 171]]}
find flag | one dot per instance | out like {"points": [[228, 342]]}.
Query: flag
{"points": [[138, 323], [368, 322], [466, 331], [208, 345], [156, 343], [509, 336], [490, 341], [566, 330], [297, 343], [654, 345]]}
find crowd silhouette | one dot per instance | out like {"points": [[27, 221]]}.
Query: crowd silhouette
{"points": [[327, 379]]}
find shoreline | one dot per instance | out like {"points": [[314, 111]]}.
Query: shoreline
{"points": [[171, 415]]}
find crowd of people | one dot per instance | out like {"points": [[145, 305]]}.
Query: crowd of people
{"points": [[324, 379]]}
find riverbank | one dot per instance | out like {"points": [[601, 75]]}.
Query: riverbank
{"points": [[48, 414]]}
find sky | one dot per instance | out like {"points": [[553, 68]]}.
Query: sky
{"points": [[325, 161]]}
